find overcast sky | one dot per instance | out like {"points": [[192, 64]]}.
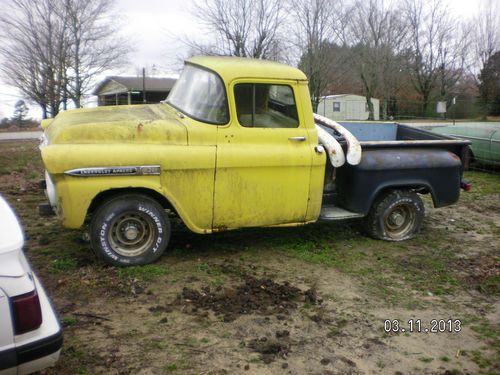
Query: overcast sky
{"points": [[154, 26]]}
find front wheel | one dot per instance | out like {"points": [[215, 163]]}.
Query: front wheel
{"points": [[130, 230], [395, 216]]}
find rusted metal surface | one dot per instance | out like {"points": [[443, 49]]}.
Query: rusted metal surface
{"points": [[353, 155], [436, 171], [333, 148]]}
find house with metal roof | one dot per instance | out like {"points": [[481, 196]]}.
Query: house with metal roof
{"points": [[117, 90]]}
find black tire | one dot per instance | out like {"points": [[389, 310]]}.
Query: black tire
{"points": [[396, 215], [130, 230]]}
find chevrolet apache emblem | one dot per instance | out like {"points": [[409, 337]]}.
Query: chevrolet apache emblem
{"points": [[115, 171]]}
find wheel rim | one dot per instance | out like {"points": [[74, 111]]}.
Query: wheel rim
{"points": [[132, 233], [400, 221]]}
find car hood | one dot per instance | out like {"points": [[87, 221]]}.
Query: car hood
{"points": [[155, 123]]}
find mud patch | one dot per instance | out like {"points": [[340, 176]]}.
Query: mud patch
{"points": [[263, 296], [482, 273], [272, 348]]}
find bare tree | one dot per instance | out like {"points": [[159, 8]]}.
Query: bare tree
{"points": [[34, 50], [245, 28], [94, 43], [436, 53], [377, 35], [53, 48], [452, 61], [486, 33], [312, 21]]}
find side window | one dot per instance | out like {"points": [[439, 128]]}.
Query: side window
{"points": [[265, 106], [336, 106]]}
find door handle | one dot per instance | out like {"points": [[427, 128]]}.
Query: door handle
{"points": [[300, 138]]}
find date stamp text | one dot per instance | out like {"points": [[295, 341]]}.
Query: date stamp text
{"points": [[421, 326]]}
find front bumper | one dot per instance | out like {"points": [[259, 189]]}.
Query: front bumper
{"points": [[48, 209]]}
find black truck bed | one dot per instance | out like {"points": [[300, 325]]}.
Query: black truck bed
{"points": [[396, 156]]}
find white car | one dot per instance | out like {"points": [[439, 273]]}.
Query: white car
{"points": [[30, 333]]}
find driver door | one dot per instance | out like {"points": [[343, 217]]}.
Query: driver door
{"points": [[264, 158]]}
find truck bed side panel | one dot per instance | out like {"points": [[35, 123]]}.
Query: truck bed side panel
{"points": [[436, 170]]}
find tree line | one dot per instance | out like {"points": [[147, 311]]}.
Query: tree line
{"points": [[402, 52], [19, 119], [53, 49]]}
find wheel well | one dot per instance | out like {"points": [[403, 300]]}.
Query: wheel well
{"points": [[419, 188], [108, 194]]}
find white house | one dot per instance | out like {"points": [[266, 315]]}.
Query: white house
{"points": [[347, 107]]}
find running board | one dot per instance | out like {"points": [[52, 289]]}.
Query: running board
{"points": [[330, 213]]}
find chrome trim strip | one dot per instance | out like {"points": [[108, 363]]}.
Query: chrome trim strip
{"points": [[469, 137], [477, 138], [414, 142], [129, 170]]}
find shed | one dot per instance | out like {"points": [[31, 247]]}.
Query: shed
{"points": [[347, 107], [116, 90]]}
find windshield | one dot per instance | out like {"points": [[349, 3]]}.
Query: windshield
{"points": [[200, 94]]}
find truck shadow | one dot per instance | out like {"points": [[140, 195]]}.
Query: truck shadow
{"points": [[185, 244]]}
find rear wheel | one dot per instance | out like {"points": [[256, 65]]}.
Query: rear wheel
{"points": [[395, 216], [129, 230]]}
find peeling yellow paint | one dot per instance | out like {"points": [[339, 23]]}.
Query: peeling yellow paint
{"points": [[216, 177]]}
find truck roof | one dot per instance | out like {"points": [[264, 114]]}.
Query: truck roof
{"points": [[230, 68]]}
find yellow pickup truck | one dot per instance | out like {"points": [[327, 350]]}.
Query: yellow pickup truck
{"points": [[236, 144]]}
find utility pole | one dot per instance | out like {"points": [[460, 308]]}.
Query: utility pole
{"points": [[144, 85], [454, 101]]}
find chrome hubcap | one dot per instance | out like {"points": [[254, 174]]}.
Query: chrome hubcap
{"points": [[132, 233], [400, 221], [397, 219]]}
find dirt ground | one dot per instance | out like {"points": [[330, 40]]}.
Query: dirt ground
{"points": [[308, 300]]}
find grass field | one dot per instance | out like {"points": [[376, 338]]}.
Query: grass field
{"points": [[209, 305]]}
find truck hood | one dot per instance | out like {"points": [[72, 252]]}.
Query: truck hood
{"points": [[156, 124]]}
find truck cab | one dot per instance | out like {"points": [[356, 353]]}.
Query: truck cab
{"points": [[266, 169]]}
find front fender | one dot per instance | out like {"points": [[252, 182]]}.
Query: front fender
{"points": [[75, 194], [185, 177]]}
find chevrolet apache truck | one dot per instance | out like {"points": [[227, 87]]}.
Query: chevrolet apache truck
{"points": [[236, 144]]}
